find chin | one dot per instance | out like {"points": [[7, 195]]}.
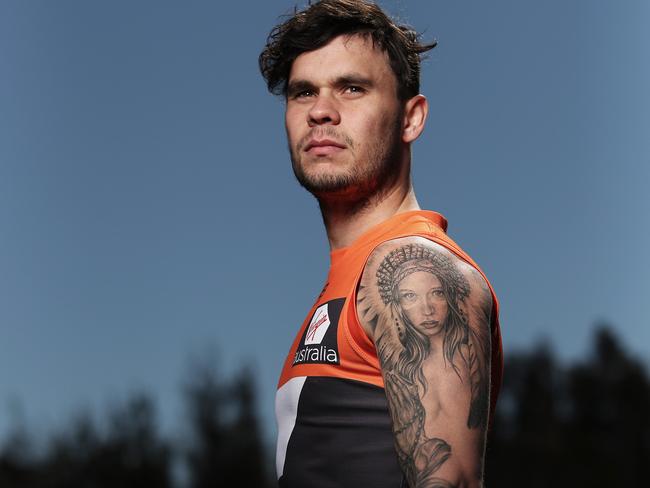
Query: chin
{"points": [[326, 182], [329, 188]]}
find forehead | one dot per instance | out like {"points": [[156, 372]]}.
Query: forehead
{"points": [[342, 55], [420, 278]]}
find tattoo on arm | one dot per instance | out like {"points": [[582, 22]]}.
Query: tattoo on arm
{"points": [[418, 307]]}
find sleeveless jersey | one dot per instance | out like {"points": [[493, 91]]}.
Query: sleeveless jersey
{"points": [[334, 427]]}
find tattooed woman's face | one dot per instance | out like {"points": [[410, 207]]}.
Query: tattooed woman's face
{"points": [[423, 302]]}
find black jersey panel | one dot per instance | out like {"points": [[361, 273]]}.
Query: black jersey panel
{"points": [[342, 438]]}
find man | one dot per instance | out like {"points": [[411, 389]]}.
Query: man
{"points": [[393, 376]]}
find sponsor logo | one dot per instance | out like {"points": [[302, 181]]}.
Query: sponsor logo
{"points": [[318, 326], [319, 342]]}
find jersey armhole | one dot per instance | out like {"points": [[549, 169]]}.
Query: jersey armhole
{"points": [[355, 334]]}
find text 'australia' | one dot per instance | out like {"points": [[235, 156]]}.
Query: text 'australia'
{"points": [[318, 354]]}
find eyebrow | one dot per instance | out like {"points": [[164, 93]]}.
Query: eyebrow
{"points": [[352, 79], [298, 85]]}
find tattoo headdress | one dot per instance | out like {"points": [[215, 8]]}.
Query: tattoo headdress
{"points": [[409, 259]]}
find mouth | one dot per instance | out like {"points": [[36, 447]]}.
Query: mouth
{"points": [[323, 147], [430, 324]]}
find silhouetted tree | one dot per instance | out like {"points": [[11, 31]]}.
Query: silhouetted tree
{"points": [[16, 460], [610, 428], [226, 447], [248, 456], [527, 430]]}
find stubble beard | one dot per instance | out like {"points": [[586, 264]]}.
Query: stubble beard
{"points": [[368, 177]]}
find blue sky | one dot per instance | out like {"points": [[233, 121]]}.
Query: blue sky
{"points": [[148, 211]]}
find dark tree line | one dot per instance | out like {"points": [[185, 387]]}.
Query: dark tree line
{"points": [[585, 424], [221, 446]]}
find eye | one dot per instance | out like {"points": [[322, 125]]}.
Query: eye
{"points": [[408, 296], [303, 94], [354, 89]]}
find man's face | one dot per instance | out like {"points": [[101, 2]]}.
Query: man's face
{"points": [[343, 119], [423, 301]]}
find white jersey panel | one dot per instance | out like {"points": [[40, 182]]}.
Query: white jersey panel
{"points": [[286, 410]]}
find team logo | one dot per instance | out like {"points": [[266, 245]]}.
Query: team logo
{"points": [[319, 344]]}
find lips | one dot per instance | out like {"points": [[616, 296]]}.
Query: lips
{"points": [[323, 143], [429, 324]]}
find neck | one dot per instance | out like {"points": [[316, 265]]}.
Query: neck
{"points": [[345, 222]]}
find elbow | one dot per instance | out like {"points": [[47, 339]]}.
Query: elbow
{"points": [[465, 480], [454, 478]]}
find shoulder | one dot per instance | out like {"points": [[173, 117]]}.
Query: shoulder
{"points": [[399, 264]]}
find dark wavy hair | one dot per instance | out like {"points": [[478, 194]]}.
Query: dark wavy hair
{"points": [[320, 22]]}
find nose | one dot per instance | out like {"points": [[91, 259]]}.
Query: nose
{"points": [[323, 111], [428, 308]]}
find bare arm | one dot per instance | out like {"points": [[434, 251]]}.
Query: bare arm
{"points": [[428, 313]]}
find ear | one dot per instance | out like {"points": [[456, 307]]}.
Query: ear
{"points": [[415, 114]]}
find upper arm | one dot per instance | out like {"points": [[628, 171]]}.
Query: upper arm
{"points": [[428, 313]]}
